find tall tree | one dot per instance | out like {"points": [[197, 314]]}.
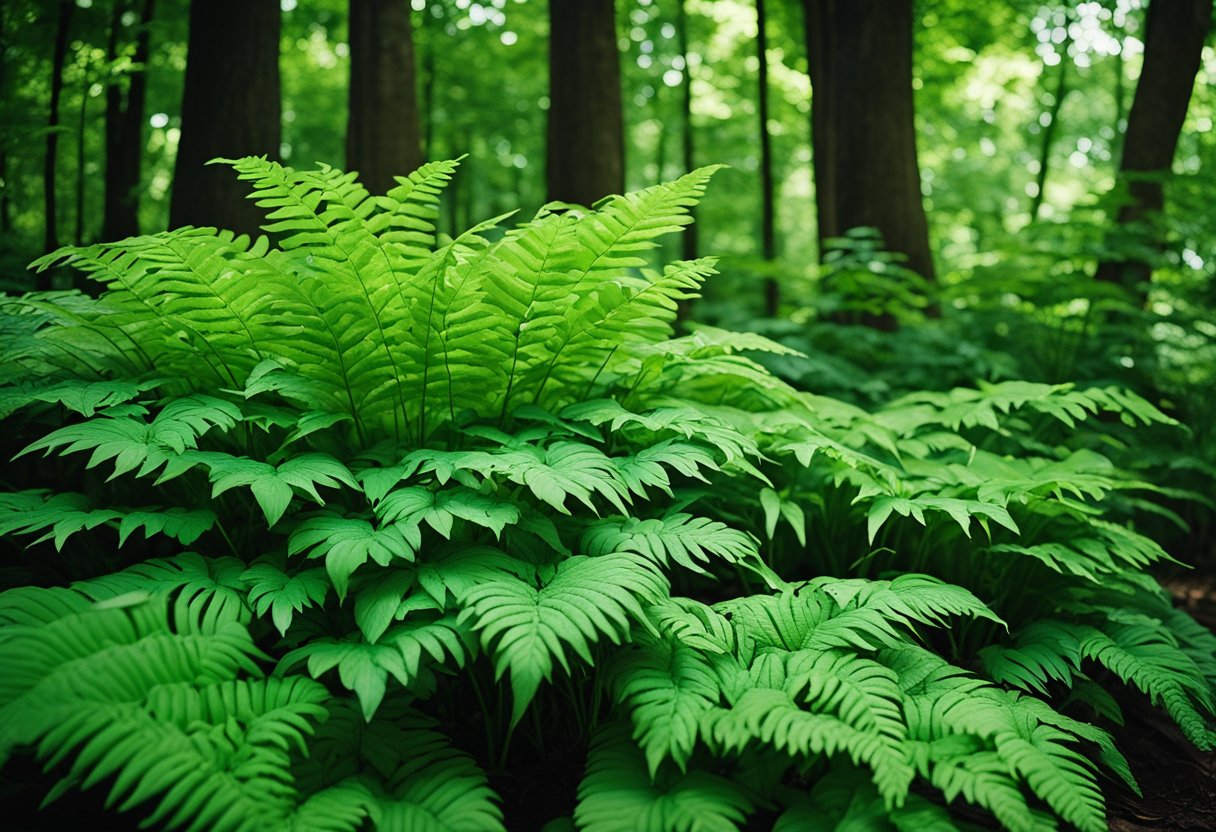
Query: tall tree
{"points": [[688, 239], [383, 138], [863, 125], [430, 29], [586, 152], [82, 123], [230, 108], [6, 216], [1052, 114], [1173, 48], [125, 126], [768, 208], [51, 160]]}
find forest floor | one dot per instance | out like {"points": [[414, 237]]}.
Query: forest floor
{"points": [[1178, 782]]}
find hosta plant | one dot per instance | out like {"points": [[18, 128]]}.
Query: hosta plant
{"points": [[358, 526]]}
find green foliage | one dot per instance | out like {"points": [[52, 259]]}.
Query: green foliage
{"points": [[416, 507]]}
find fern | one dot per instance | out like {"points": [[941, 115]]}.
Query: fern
{"points": [[361, 477], [526, 628], [617, 793]]}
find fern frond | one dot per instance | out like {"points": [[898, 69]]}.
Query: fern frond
{"points": [[408, 224], [273, 590], [809, 620], [666, 685], [274, 486], [909, 597], [617, 794], [364, 668], [346, 543], [208, 590], [688, 541], [82, 396], [844, 799], [776, 718], [525, 628], [1147, 657], [144, 447]]}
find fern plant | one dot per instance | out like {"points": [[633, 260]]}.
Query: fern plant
{"points": [[367, 520]]}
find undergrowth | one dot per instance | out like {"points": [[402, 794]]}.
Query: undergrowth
{"points": [[357, 525]]}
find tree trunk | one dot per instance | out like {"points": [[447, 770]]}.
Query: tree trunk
{"points": [[1049, 130], [586, 152], [1120, 95], [6, 213], [125, 131], [768, 211], [230, 108], [429, 150], [1173, 48], [688, 239], [383, 138], [50, 163], [82, 122], [6, 216], [863, 123]]}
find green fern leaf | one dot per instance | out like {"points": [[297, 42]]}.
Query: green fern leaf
{"points": [[79, 396], [525, 628], [135, 444], [407, 508], [28, 512], [688, 541], [909, 597], [775, 718], [274, 487], [183, 525], [667, 686], [617, 794], [808, 620], [208, 590], [283, 594], [403, 652], [346, 543]]}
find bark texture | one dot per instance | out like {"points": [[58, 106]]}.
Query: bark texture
{"points": [[1173, 48], [383, 138], [230, 108], [768, 205], [863, 123], [688, 238], [586, 153], [125, 131], [51, 158]]}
